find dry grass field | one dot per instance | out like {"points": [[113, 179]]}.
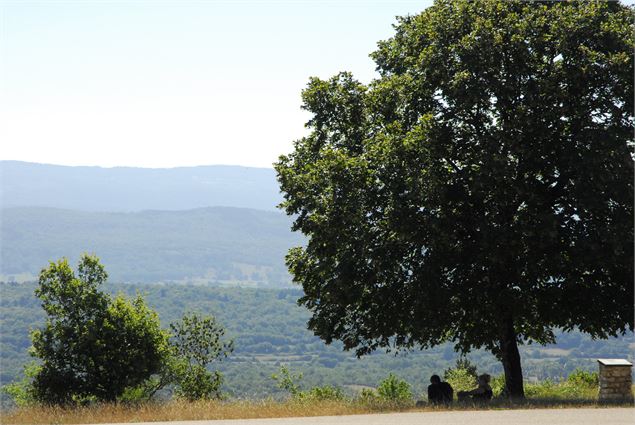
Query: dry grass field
{"points": [[179, 410], [213, 410]]}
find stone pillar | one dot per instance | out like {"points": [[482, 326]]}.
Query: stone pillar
{"points": [[615, 380]]}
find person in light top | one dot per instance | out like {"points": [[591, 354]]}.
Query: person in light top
{"points": [[481, 393]]}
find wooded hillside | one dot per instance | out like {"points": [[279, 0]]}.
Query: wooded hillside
{"points": [[221, 245], [270, 330]]}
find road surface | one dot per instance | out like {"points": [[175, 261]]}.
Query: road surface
{"points": [[599, 416]]}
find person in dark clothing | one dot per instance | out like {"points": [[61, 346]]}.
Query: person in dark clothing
{"points": [[439, 392]]}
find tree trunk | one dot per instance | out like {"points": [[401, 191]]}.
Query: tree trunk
{"points": [[510, 358]]}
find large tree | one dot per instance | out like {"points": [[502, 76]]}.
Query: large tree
{"points": [[480, 190]]}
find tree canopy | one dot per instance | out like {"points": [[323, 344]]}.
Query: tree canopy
{"points": [[92, 346], [480, 190]]}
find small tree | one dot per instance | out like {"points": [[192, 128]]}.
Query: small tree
{"points": [[196, 343], [92, 346], [287, 381]]}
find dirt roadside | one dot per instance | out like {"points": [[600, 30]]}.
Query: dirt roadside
{"points": [[603, 416]]}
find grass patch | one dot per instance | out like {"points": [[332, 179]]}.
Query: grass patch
{"points": [[580, 389], [565, 391], [210, 410], [183, 410]]}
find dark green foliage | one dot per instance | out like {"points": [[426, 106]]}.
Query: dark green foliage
{"points": [[92, 346], [480, 191], [197, 343], [269, 330]]}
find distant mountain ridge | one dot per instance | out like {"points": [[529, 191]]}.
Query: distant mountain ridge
{"points": [[207, 245], [25, 184]]}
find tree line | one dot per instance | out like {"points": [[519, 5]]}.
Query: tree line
{"points": [[269, 331]]}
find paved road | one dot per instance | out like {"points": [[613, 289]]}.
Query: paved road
{"points": [[603, 416]]}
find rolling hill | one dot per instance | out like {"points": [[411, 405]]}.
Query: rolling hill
{"points": [[217, 244], [24, 184]]}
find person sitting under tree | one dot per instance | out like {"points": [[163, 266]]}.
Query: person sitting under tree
{"points": [[439, 392], [481, 393]]}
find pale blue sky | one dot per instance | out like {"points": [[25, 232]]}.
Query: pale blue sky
{"points": [[173, 83]]}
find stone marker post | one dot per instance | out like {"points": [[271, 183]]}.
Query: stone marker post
{"points": [[615, 380]]}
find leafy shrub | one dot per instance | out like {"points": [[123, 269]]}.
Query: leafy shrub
{"points": [[22, 392], [370, 399], [290, 383], [367, 396], [579, 385], [394, 390], [465, 364], [583, 378], [498, 384], [543, 389], [197, 383], [326, 392], [462, 377], [286, 381], [137, 394]]}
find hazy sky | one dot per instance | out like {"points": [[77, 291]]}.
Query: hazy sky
{"points": [[173, 83]]}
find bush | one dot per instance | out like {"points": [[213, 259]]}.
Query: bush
{"points": [[462, 377], [197, 383], [579, 385], [138, 394], [543, 389], [583, 378], [465, 364], [394, 390], [290, 383], [22, 392], [326, 392], [287, 382], [367, 396], [498, 384]]}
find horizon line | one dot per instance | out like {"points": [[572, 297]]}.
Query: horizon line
{"points": [[135, 166]]}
